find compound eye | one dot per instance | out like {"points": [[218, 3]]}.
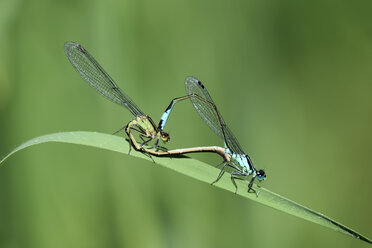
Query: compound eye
{"points": [[261, 175], [165, 137]]}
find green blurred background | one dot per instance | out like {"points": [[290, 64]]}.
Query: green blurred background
{"points": [[292, 79]]}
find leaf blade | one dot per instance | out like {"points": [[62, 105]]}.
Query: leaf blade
{"points": [[197, 170]]}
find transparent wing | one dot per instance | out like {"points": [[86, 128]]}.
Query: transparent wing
{"points": [[205, 110], [97, 78], [231, 141], [209, 113]]}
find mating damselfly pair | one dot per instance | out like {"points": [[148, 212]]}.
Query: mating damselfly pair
{"points": [[232, 154]]}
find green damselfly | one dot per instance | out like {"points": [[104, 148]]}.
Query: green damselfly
{"points": [[90, 70]]}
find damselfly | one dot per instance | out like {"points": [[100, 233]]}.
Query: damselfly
{"points": [[239, 161], [98, 79]]}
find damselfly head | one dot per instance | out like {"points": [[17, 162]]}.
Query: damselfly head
{"points": [[261, 175], [164, 137]]}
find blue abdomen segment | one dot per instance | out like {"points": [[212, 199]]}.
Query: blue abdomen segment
{"points": [[165, 116]]}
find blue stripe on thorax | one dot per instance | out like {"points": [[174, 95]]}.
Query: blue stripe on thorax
{"points": [[241, 159]]}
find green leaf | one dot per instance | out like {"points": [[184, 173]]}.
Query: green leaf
{"points": [[197, 170]]}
